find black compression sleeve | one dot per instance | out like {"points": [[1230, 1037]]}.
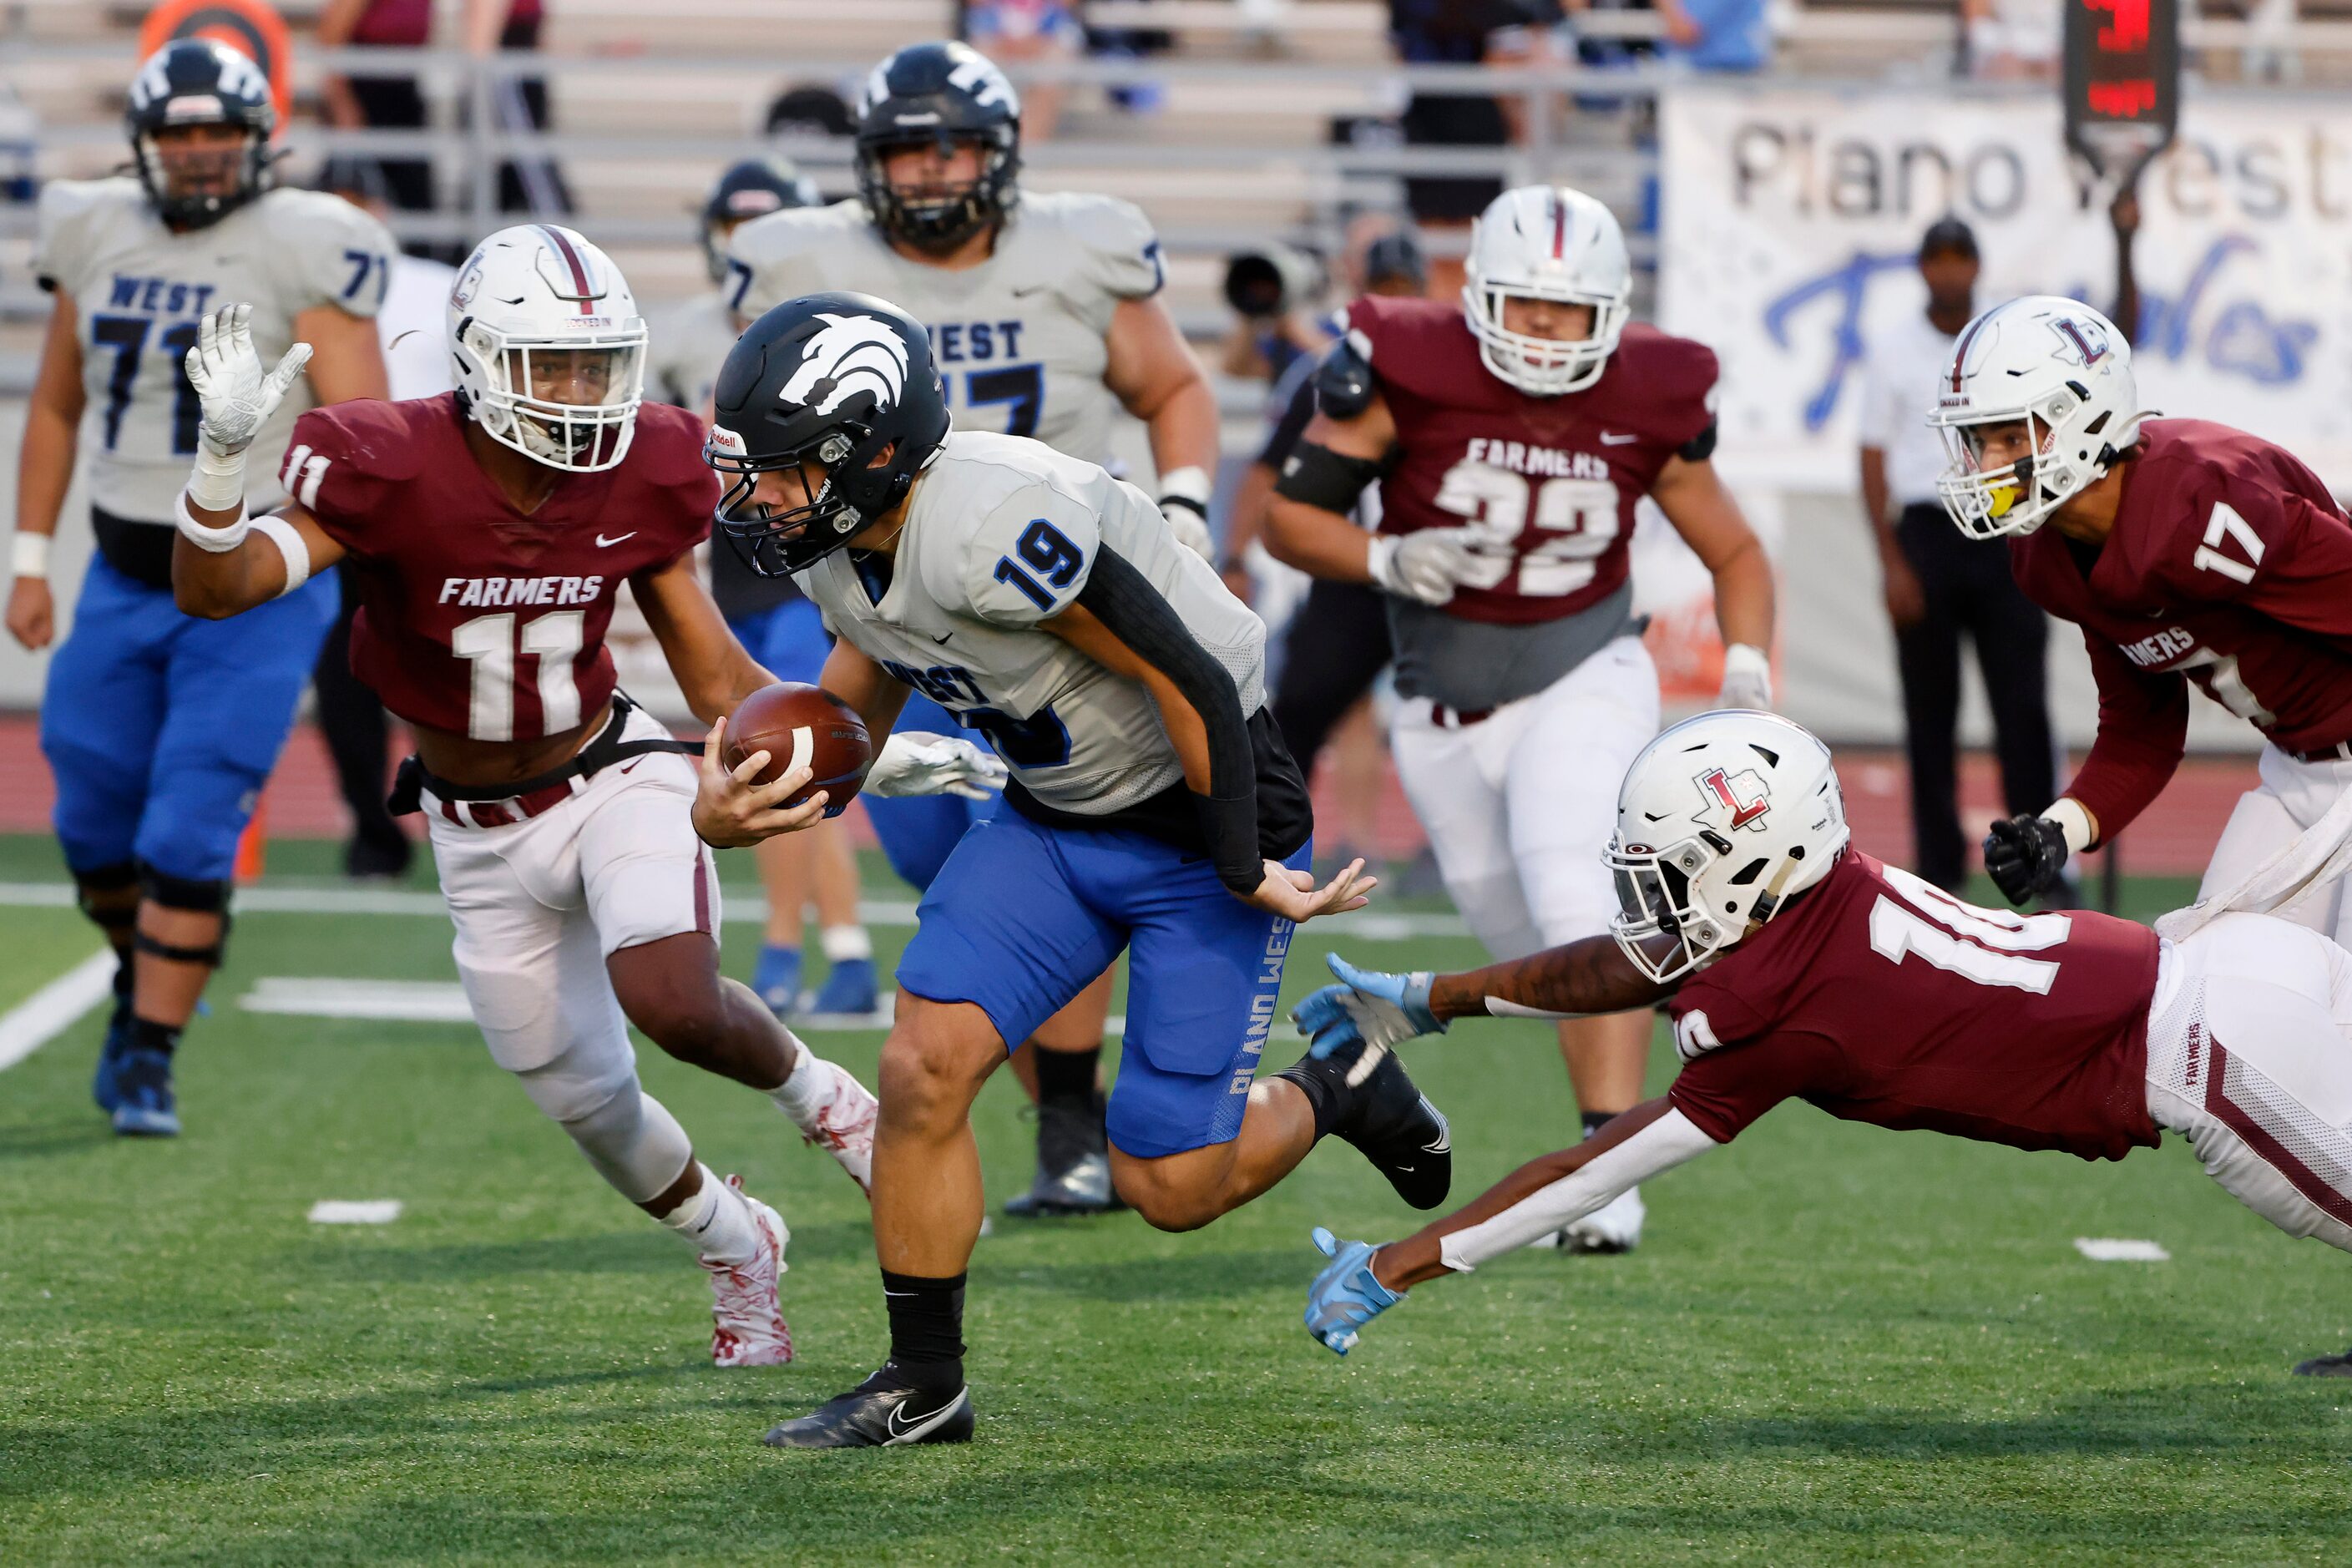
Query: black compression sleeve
{"points": [[1321, 476], [1124, 599]]}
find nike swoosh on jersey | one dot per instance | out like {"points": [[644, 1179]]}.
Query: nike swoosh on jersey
{"points": [[943, 636], [604, 544], [1609, 438]]}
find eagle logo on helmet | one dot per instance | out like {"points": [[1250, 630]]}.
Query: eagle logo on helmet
{"points": [[849, 354], [1743, 795]]}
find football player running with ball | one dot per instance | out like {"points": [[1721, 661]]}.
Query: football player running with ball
{"points": [[1045, 321], [1513, 437], [1152, 807], [162, 730], [1796, 967], [492, 528], [2185, 551]]}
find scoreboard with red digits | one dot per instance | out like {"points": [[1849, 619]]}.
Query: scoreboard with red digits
{"points": [[2122, 81]]}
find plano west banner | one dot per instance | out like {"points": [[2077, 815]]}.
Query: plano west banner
{"points": [[1791, 217]]}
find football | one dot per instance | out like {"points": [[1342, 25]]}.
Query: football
{"points": [[797, 723]]}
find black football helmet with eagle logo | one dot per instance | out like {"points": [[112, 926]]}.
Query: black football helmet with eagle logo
{"points": [[843, 380], [943, 93]]}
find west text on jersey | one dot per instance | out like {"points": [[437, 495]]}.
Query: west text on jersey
{"points": [[161, 296], [957, 343]]}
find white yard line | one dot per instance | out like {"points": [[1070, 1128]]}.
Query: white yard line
{"points": [[897, 913], [2119, 1249], [358, 1211], [54, 1007]]}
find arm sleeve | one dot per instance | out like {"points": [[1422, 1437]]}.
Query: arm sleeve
{"points": [[1124, 599], [1664, 1144], [2142, 730], [332, 253]]}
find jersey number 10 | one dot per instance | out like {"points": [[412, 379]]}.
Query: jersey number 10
{"points": [[1979, 944]]}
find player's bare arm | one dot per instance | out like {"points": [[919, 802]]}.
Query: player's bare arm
{"points": [[1591, 975], [1207, 756], [1692, 495], [1313, 534], [346, 357], [1155, 375], [44, 473], [855, 677]]}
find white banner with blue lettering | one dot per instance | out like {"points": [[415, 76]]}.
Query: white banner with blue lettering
{"points": [[1790, 220]]}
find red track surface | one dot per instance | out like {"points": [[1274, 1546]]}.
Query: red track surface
{"points": [[2173, 838]]}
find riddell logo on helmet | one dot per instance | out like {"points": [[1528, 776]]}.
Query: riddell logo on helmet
{"points": [[1742, 793]]}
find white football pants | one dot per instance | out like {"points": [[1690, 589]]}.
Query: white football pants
{"points": [[2249, 1058], [1519, 806], [538, 904], [2291, 796]]}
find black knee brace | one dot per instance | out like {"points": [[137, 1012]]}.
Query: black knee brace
{"points": [[210, 897], [98, 894]]}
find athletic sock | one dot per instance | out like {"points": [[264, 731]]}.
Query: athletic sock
{"points": [[717, 1222], [126, 980], [806, 1090], [1067, 1078], [1594, 1120], [146, 1035], [1325, 1083], [845, 944], [925, 1330]]}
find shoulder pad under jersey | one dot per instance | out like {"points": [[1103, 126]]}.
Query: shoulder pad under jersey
{"points": [[1344, 387]]}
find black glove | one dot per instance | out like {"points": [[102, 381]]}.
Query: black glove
{"points": [[2024, 855]]}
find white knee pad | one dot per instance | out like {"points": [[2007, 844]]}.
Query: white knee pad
{"points": [[628, 1135]]}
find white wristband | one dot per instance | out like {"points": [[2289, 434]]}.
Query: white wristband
{"points": [[1747, 659], [1380, 550], [29, 556], [288, 539], [2073, 820], [1189, 484], [216, 482], [219, 541]]}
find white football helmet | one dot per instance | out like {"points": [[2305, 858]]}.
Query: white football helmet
{"points": [[550, 349], [1719, 820], [1547, 242], [2065, 372]]}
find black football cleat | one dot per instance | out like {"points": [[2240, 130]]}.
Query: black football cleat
{"points": [[1073, 1164], [1393, 1122], [2326, 1366], [882, 1412]]}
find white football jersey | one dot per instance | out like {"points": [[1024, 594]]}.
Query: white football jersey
{"points": [[1002, 534], [1018, 339], [686, 346], [140, 289]]}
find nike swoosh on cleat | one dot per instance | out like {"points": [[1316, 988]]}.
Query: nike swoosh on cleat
{"points": [[604, 544], [920, 1424]]}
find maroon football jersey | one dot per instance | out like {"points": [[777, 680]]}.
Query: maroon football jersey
{"points": [[1881, 998], [2231, 565], [1558, 478], [474, 618]]}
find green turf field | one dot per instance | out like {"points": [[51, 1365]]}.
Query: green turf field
{"points": [[1839, 1344]]}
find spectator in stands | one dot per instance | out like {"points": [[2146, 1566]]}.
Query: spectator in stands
{"points": [[2012, 40], [394, 101], [1021, 32], [1717, 35], [1941, 586], [1465, 32]]}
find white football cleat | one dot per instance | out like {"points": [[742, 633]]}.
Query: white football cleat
{"points": [[747, 1325], [1615, 1227], [845, 1126]]}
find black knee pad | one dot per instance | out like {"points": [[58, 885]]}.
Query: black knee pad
{"points": [[92, 889], [197, 897]]}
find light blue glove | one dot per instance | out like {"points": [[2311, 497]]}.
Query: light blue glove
{"points": [[1346, 1295], [1368, 1006]]}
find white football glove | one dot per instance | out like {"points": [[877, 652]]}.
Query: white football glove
{"points": [[237, 397], [1192, 531], [1426, 566], [1747, 678], [914, 762], [1184, 502]]}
